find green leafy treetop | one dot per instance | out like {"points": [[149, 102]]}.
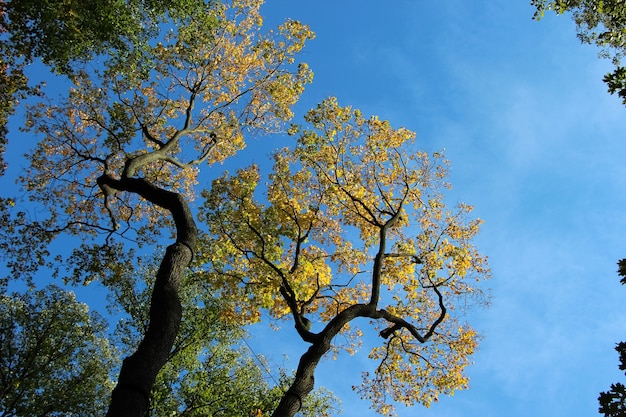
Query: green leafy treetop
{"points": [[54, 356]]}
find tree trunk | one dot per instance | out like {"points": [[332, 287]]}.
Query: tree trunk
{"points": [[131, 396], [132, 393], [304, 381], [303, 384]]}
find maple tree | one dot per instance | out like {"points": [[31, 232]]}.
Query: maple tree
{"points": [[118, 159], [353, 225]]}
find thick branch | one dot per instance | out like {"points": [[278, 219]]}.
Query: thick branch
{"points": [[133, 165], [186, 231], [414, 258], [380, 255], [400, 323], [304, 380]]}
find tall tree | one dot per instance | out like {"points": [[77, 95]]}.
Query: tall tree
{"points": [[599, 22], [116, 170], [118, 159], [55, 356], [355, 226]]}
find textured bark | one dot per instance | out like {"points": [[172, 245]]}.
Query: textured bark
{"points": [[131, 396], [303, 384], [304, 380], [139, 371]]}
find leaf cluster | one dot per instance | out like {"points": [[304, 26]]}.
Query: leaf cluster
{"points": [[63, 33]]}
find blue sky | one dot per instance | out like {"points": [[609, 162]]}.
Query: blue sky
{"points": [[536, 145]]}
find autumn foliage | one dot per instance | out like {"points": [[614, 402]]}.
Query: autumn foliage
{"points": [[118, 158], [351, 222], [192, 108]]}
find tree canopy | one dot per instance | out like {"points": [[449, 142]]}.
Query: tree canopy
{"points": [[352, 223], [355, 225], [67, 34]]}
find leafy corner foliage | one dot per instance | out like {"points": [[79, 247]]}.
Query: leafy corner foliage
{"points": [[55, 356], [613, 402]]}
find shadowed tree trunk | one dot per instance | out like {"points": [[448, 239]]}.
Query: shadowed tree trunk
{"points": [[138, 374]]}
